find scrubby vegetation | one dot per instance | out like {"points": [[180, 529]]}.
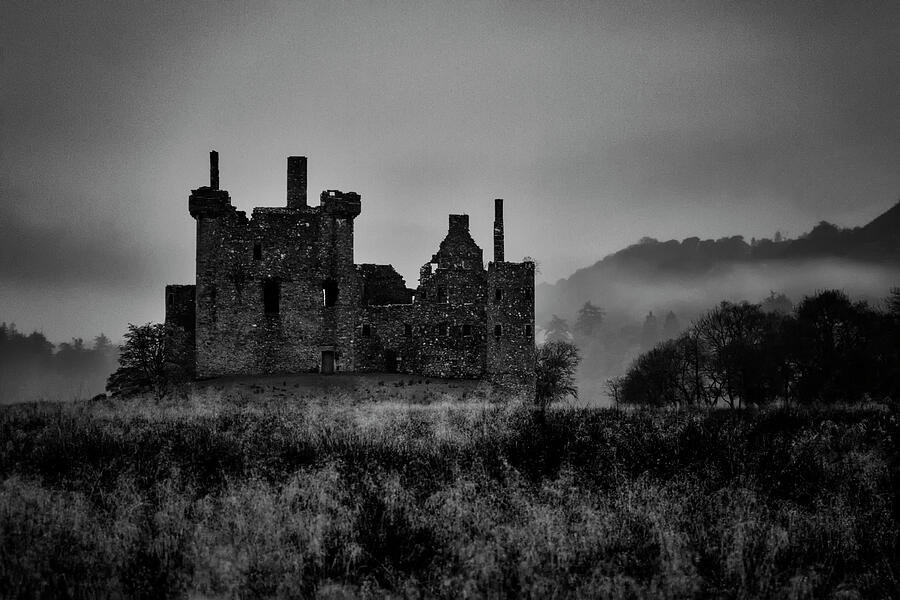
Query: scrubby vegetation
{"points": [[829, 349], [218, 497]]}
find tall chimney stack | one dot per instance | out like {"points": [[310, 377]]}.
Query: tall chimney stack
{"points": [[498, 230], [214, 170], [296, 182]]}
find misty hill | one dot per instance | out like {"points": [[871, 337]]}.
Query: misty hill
{"points": [[693, 274]]}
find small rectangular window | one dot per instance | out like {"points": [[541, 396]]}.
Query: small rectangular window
{"points": [[467, 329], [329, 292], [442, 329], [407, 330], [170, 299], [528, 331], [454, 331], [498, 295], [257, 251], [366, 330], [272, 296], [498, 331], [441, 294]]}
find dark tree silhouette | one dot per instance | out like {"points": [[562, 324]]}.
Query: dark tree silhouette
{"points": [[671, 327], [154, 358], [555, 372], [589, 319], [650, 332], [828, 348]]}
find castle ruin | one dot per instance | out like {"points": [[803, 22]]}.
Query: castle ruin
{"points": [[280, 293]]}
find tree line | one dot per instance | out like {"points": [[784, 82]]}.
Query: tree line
{"points": [[33, 368], [828, 349]]}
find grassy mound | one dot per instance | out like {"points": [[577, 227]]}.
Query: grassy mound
{"points": [[299, 497]]}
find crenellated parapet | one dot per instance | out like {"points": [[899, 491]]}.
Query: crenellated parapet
{"points": [[340, 204]]}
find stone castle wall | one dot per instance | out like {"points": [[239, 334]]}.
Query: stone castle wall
{"points": [[280, 293]]}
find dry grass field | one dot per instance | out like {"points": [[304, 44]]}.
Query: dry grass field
{"points": [[284, 488]]}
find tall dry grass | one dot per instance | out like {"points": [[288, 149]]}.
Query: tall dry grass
{"points": [[218, 496]]}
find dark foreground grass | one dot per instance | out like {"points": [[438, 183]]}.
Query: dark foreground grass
{"points": [[224, 498]]}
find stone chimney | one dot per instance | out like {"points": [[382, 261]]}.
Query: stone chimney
{"points": [[296, 182], [498, 230], [214, 170]]}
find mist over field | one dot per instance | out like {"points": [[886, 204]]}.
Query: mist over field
{"points": [[653, 290], [632, 296]]}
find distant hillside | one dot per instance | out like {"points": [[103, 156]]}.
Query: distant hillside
{"points": [[695, 273]]}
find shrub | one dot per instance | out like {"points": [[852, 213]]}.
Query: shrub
{"points": [[555, 366]]}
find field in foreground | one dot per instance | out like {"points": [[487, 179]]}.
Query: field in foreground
{"points": [[231, 496]]}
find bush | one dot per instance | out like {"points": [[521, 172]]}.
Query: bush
{"points": [[555, 366], [829, 350]]}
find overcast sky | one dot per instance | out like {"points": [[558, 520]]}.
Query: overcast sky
{"points": [[598, 122]]}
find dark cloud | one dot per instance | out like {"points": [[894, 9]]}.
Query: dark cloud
{"points": [[35, 253]]}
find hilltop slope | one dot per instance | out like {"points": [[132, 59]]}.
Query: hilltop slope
{"points": [[694, 273]]}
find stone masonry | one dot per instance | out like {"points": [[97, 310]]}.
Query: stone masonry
{"points": [[280, 293]]}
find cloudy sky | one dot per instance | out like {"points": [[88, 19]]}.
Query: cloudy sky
{"points": [[598, 122]]}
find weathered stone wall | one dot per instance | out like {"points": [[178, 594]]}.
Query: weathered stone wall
{"points": [[295, 251], [510, 324], [180, 307], [381, 284]]}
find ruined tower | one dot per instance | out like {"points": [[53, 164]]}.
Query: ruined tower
{"points": [[280, 293]]}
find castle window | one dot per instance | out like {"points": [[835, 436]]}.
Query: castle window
{"points": [[442, 329], [257, 251], [407, 329], [441, 294], [366, 330], [329, 292], [467, 329], [170, 299], [528, 331], [498, 295], [272, 296], [498, 331], [454, 331]]}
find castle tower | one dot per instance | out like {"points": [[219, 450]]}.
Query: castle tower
{"points": [[510, 317]]}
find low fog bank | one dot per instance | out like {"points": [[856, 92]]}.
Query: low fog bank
{"points": [[32, 368], [641, 310]]}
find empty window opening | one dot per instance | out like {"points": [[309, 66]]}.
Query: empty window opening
{"points": [[528, 331], [441, 294], [442, 329], [366, 330], [170, 299], [329, 292], [454, 330], [257, 251], [498, 295], [390, 361], [272, 296], [467, 329], [498, 331], [407, 329]]}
